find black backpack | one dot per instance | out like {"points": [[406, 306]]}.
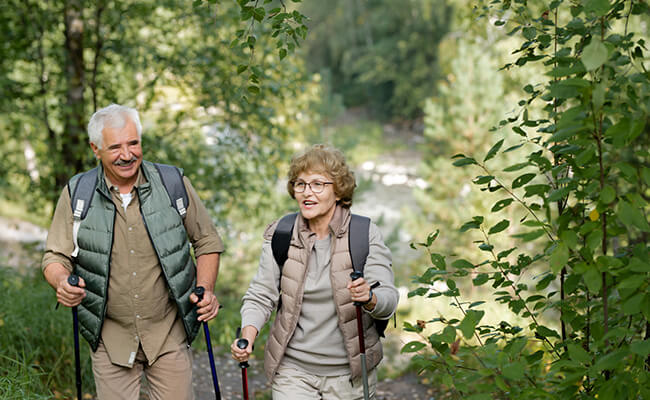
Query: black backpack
{"points": [[357, 243], [171, 177]]}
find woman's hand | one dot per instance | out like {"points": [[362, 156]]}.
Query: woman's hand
{"points": [[249, 333], [360, 291]]}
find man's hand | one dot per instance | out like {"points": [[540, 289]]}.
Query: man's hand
{"points": [[208, 307], [57, 276], [68, 295]]}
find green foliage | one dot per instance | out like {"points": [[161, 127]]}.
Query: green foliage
{"points": [[382, 54], [36, 341], [579, 327], [287, 27]]}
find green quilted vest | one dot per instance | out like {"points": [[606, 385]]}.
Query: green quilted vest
{"points": [[166, 232]]}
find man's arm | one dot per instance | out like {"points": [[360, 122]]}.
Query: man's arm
{"points": [[207, 248], [56, 264], [207, 269]]}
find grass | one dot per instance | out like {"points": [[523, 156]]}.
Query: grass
{"points": [[36, 341]]}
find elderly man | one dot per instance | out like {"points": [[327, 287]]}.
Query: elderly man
{"points": [[130, 249]]}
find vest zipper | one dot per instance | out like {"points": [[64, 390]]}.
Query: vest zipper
{"points": [[176, 301]]}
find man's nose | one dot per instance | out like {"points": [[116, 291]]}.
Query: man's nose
{"points": [[125, 153]]}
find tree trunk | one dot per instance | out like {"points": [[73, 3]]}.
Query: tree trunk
{"points": [[73, 143]]}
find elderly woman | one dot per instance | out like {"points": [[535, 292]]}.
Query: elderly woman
{"points": [[313, 346]]}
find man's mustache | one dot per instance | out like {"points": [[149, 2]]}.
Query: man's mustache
{"points": [[123, 163]]}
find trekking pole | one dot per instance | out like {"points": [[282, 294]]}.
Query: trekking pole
{"points": [[73, 280], [242, 344], [362, 345], [199, 291]]}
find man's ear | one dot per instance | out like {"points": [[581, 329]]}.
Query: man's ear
{"points": [[95, 149]]}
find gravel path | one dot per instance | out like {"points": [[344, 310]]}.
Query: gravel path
{"points": [[230, 383]]}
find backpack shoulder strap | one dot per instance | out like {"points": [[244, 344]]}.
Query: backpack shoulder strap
{"points": [[359, 248], [172, 179], [83, 192], [358, 241], [282, 238]]}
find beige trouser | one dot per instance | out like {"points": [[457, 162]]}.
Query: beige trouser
{"points": [[292, 384], [170, 377]]}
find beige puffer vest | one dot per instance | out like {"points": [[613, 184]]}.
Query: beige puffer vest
{"points": [[292, 286]]}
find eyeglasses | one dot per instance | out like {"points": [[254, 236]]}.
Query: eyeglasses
{"points": [[315, 186]]}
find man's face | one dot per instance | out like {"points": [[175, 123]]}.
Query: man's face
{"points": [[121, 153]]}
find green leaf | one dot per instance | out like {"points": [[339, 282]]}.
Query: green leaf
{"points": [[501, 204], [598, 7], [514, 370], [464, 161], [421, 291], [502, 225], [593, 280], [579, 354], [595, 54], [241, 68], [632, 216], [529, 236], [462, 264], [516, 167], [546, 332], [633, 304], [598, 96], [610, 361], [412, 347], [493, 151], [559, 257], [254, 89], [483, 179], [480, 279], [566, 133], [475, 223], [529, 32], [522, 180], [469, 322], [570, 238], [438, 260], [536, 190], [608, 194], [259, 14], [448, 334], [283, 53], [641, 348], [558, 194]]}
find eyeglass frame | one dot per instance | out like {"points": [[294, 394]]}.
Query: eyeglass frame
{"points": [[310, 187]]}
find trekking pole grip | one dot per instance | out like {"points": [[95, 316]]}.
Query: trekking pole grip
{"points": [[356, 275], [242, 344], [199, 291], [73, 280]]}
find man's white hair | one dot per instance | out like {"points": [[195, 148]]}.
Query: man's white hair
{"points": [[114, 116]]}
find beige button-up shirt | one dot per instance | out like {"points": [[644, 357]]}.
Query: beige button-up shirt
{"points": [[139, 310]]}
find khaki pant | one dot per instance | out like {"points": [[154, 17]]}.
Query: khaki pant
{"points": [[170, 377], [293, 384]]}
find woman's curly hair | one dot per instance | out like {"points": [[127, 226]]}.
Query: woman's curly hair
{"points": [[329, 161]]}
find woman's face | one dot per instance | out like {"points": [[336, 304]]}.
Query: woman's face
{"points": [[315, 207]]}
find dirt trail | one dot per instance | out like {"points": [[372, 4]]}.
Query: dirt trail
{"points": [[229, 375]]}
